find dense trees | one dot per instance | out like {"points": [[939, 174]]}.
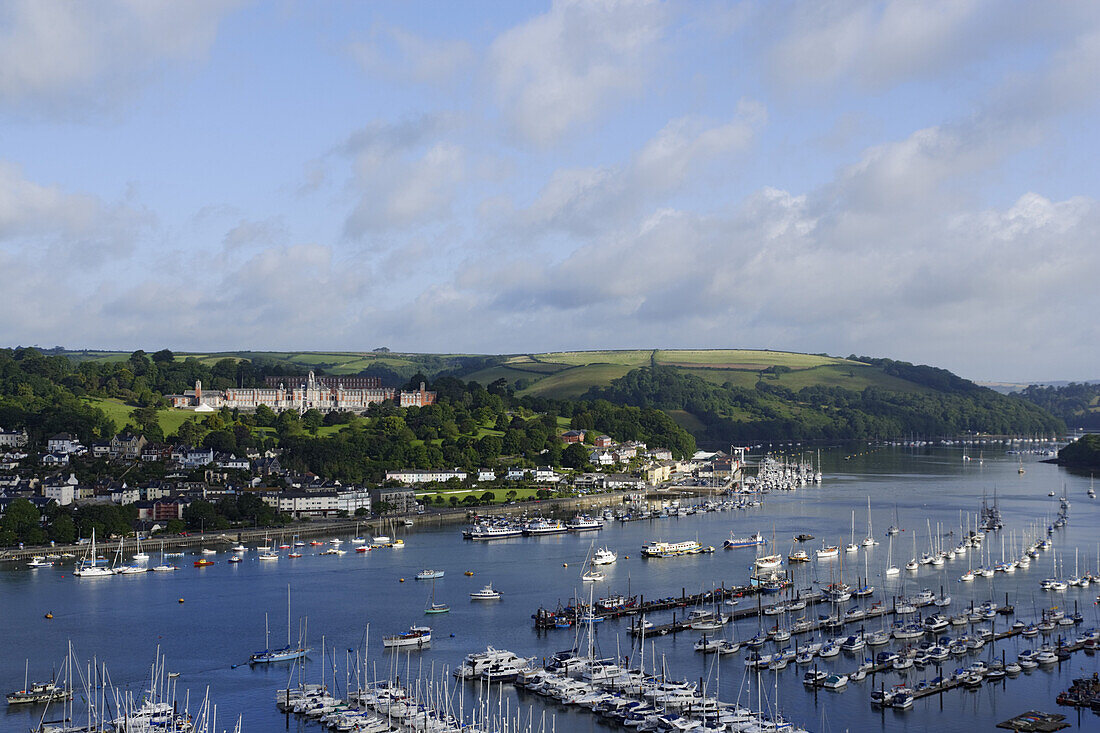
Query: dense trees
{"points": [[948, 406], [1076, 404], [1083, 452]]}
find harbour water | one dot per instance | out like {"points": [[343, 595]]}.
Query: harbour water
{"points": [[207, 638]]}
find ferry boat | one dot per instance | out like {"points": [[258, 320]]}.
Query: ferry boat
{"points": [[485, 532], [604, 556], [674, 549], [416, 636], [735, 543], [582, 523], [538, 527]]}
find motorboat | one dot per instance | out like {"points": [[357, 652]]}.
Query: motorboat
{"points": [[416, 637], [753, 540], [488, 593], [828, 552], [429, 574], [604, 556]]}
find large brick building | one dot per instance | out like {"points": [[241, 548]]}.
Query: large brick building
{"points": [[327, 394]]}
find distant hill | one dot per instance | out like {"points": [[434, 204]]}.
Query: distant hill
{"points": [[1077, 404], [718, 394]]}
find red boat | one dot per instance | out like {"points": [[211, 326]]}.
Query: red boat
{"points": [[203, 563]]}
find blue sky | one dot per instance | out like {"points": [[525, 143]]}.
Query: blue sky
{"points": [[913, 180]]}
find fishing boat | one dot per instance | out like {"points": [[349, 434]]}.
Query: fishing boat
{"points": [[235, 559], [88, 567], [429, 574], [827, 552], [38, 561], [417, 636], [488, 593], [604, 556], [798, 556], [736, 543], [37, 692], [287, 653]]}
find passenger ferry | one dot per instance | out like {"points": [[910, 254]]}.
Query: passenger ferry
{"points": [[583, 524], [492, 532], [673, 549], [543, 526]]}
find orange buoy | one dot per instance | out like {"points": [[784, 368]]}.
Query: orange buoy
{"points": [[181, 600], [565, 564], [49, 615], [400, 580]]}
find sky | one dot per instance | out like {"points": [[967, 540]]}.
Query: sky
{"points": [[914, 180]]}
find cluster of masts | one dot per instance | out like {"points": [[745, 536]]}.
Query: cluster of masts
{"points": [[109, 709], [783, 474], [405, 700]]}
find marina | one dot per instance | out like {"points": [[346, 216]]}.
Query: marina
{"points": [[337, 595]]}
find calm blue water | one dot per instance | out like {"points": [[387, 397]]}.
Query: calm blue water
{"points": [[122, 620]]}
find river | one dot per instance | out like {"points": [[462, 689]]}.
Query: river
{"points": [[122, 620]]}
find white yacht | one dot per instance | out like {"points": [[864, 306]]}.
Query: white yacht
{"points": [[416, 636], [486, 594], [604, 556]]}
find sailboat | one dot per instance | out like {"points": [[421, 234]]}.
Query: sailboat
{"points": [[434, 607], [894, 529], [852, 546], [891, 568], [1092, 491], [287, 653], [140, 556], [88, 567], [869, 540], [163, 567]]}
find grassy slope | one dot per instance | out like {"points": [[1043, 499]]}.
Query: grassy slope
{"points": [[119, 412], [574, 382]]}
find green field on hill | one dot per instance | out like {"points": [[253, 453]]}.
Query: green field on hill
{"points": [[119, 412]]}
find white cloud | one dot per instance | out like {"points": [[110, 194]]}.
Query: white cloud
{"points": [[570, 64], [587, 200], [48, 220], [58, 56], [879, 44], [396, 53]]}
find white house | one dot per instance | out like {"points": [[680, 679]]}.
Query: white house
{"points": [[13, 438], [486, 474], [426, 476], [55, 459], [63, 493], [601, 458], [63, 443]]}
